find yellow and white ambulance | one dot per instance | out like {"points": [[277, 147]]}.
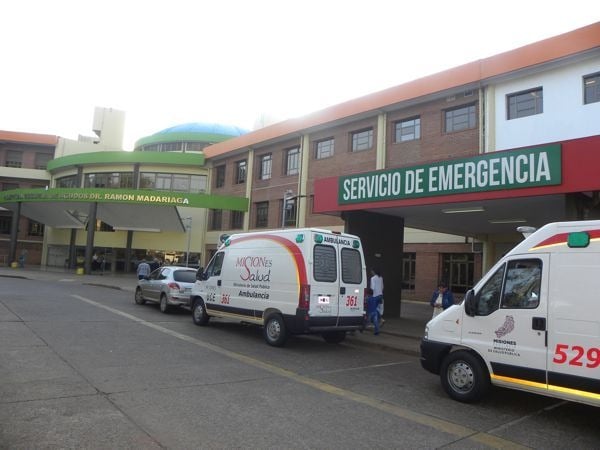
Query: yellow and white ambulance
{"points": [[532, 322], [293, 281]]}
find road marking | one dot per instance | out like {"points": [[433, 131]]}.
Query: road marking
{"points": [[403, 413], [372, 366]]}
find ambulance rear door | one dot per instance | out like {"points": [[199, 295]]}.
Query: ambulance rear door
{"points": [[337, 280]]}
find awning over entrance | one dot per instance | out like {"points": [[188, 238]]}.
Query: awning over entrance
{"points": [[119, 216], [491, 193]]}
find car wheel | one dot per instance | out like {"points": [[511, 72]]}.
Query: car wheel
{"points": [[165, 308], [334, 337], [464, 376], [274, 330], [139, 298], [199, 315]]}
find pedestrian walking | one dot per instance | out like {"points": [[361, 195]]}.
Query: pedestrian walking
{"points": [[22, 258], [143, 270], [376, 285], [373, 310]]}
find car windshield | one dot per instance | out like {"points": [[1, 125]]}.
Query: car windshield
{"points": [[185, 276]]}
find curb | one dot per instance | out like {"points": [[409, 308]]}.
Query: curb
{"points": [[118, 288]]}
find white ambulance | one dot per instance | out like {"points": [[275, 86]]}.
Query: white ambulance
{"points": [[532, 322], [294, 281]]}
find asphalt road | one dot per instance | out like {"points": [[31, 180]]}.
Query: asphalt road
{"points": [[84, 367]]}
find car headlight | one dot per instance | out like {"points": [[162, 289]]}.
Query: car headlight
{"points": [[426, 334]]}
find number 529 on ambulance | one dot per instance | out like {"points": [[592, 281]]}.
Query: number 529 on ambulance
{"points": [[532, 323]]}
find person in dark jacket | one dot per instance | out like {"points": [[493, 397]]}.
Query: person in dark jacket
{"points": [[441, 299]]}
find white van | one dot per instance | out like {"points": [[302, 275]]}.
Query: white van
{"points": [[532, 322], [294, 281]]}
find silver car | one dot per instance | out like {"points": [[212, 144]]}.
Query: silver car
{"points": [[168, 286]]}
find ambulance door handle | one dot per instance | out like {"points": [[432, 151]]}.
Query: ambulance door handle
{"points": [[218, 282], [342, 290], [538, 323]]}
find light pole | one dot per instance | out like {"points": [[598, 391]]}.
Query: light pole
{"points": [[286, 196], [188, 228]]}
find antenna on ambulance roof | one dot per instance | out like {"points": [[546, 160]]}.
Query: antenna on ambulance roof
{"points": [[526, 231]]}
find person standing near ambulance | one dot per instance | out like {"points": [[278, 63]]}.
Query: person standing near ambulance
{"points": [[441, 299], [376, 284]]}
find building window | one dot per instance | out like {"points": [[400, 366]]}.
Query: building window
{"points": [[198, 184], [591, 88], [5, 222], [220, 176], [173, 182], [262, 214], [266, 166], [289, 215], [163, 181], [181, 183], [147, 180], [324, 149], [240, 172], [523, 104], [67, 182], [409, 264], [13, 159], [408, 130], [459, 119], [292, 158], [237, 220], [215, 220], [362, 140], [35, 228], [189, 183], [457, 270], [9, 186], [42, 160], [115, 180]]}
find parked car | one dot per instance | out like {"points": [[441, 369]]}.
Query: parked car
{"points": [[168, 286]]}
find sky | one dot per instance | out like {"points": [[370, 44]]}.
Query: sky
{"points": [[232, 62]]}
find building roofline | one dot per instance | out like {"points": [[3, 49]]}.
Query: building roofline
{"points": [[194, 159], [544, 51], [28, 138]]}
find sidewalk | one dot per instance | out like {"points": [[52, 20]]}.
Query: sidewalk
{"points": [[401, 334]]}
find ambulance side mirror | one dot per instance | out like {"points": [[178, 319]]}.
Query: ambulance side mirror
{"points": [[470, 303], [200, 274]]}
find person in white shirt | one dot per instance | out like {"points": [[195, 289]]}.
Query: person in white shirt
{"points": [[376, 284]]}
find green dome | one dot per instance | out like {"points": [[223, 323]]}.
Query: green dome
{"points": [[196, 132]]}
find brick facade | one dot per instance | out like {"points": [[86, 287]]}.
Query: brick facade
{"points": [[31, 243]]}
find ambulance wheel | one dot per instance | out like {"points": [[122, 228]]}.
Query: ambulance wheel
{"points": [[165, 308], [334, 337], [199, 315], [464, 376], [139, 298], [274, 330]]}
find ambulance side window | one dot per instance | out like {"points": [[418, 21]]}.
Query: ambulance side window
{"points": [[488, 298], [522, 285], [325, 263], [214, 266]]}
